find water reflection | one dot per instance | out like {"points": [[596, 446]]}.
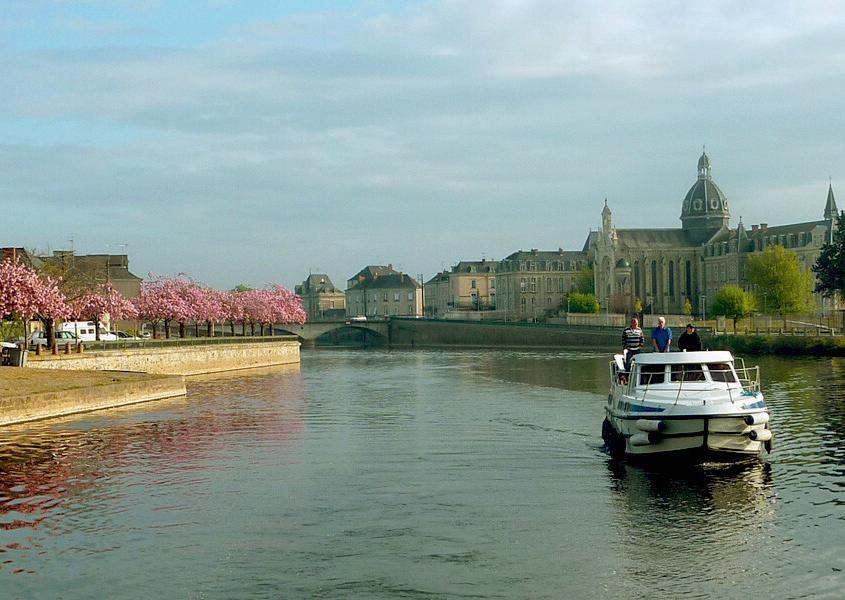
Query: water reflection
{"points": [[682, 527], [56, 472], [431, 474]]}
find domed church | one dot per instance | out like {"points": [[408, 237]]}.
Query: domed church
{"points": [[662, 268]]}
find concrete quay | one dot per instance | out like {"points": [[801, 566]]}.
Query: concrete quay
{"points": [[31, 394], [176, 359], [55, 385]]}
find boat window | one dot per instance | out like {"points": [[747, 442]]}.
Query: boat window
{"points": [[721, 372], [651, 374], [687, 373]]}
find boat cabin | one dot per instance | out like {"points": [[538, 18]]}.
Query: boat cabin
{"points": [[673, 369]]}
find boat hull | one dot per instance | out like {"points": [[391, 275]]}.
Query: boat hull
{"points": [[712, 437]]}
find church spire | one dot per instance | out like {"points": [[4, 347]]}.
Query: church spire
{"points": [[704, 165], [607, 221], [830, 212]]}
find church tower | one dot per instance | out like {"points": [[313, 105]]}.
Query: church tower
{"points": [[830, 212], [705, 207]]}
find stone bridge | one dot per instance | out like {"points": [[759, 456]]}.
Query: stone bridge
{"points": [[308, 332]]}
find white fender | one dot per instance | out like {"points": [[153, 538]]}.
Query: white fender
{"points": [[757, 419], [640, 439], [760, 435], [650, 425]]}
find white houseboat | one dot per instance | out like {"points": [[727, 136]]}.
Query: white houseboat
{"points": [[686, 404]]}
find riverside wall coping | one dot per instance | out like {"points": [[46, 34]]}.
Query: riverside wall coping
{"points": [[177, 359], [32, 394]]}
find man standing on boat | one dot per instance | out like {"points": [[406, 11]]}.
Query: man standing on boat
{"points": [[661, 337], [689, 340], [632, 341]]}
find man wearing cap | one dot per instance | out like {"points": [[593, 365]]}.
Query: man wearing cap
{"points": [[689, 340], [661, 336]]}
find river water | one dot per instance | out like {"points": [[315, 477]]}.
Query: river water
{"points": [[417, 474]]}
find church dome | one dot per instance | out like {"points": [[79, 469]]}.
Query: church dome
{"points": [[705, 207], [704, 198]]}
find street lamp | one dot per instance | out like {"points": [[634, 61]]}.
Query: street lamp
{"points": [[702, 306]]}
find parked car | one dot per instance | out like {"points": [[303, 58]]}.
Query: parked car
{"points": [[122, 335], [86, 331], [39, 338]]}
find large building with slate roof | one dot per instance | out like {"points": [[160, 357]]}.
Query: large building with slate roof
{"points": [[664, 267], [381, 291], [531, 283], [320, 298], [89, 270], [469, 286]]}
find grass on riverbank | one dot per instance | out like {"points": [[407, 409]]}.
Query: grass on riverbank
{"points": [[789, 345]]}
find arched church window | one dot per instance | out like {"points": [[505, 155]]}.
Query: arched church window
{"points": [[671, 278], [654, 277], [637, 278]]}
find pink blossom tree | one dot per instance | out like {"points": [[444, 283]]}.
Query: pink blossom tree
{"points": [[161, 301], [26, 295], [105, 300], [214, 309], [233, 305]]}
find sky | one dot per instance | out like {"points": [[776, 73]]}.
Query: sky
{"points": [[255, 142]]}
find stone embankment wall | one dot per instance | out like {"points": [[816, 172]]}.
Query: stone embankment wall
{"points": [[428, 332], [177, 360], [82, 392]]}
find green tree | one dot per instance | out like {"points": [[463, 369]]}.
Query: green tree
{"points": [[779, 281], [242, 287], [583, 303], [830, 266], [687, 307], [733, 302], [585, 282]]}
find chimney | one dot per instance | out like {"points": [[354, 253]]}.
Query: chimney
{"points": [[754, 228], [401, 278], [764, 226]]}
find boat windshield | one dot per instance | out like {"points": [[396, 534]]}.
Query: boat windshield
{"points": [[721, 372], [651, 374], [687, 373]]}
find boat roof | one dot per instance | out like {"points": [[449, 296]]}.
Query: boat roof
{"points": [[679, 358]]}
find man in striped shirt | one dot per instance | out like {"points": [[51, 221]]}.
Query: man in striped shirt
{"points": [[632, 341]]}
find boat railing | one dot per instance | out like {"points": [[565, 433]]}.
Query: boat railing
{"points": [[749, 378]]}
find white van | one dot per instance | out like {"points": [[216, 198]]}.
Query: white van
{"points": [[86, 331]]}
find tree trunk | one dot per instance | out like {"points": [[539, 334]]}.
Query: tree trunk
{"points": [[49, 331], [181, 329], [166, 329], [209, 330], [196, 328], [96, 328], [252, 328], [271, 330], [232, 327]]}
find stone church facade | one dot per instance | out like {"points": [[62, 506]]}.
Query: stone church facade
{"points": [[663, 268]]}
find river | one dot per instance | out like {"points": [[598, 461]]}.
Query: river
{"points": [[417, 474]]}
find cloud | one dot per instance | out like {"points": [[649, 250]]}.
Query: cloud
{"points": [[431, 133]]}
